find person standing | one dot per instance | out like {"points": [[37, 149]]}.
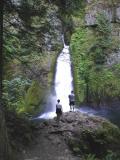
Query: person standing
{"points": [[58, 110], [72, 101]]}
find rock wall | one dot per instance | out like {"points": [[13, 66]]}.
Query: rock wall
{"points": [[53, 38], [35, 40], [112, 11], [45, 27]]}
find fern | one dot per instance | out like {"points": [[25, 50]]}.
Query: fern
{"points": [[90, 157]]}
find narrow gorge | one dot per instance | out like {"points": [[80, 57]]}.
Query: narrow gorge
{"points": [[51, 47]]}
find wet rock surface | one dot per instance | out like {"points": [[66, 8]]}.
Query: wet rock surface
{"points": [[76, 135]]}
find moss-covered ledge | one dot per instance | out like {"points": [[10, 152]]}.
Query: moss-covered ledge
{"points": [[91, 135]]}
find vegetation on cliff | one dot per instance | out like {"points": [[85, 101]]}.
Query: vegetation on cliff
{"points": [[92, 136], [32, 40], [95, 81]]}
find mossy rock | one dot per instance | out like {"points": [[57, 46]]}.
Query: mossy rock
{"points": [[32, 99], [96, 138]]}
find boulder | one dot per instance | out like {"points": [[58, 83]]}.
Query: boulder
{"points": [[86, 134], [76, 136]]}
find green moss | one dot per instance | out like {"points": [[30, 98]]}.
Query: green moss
{"points": [[96, 140], [33, 94], [33, 97], [76, 86], [11, 69], [111, 131], [94, 82], [81, 41], [51, 73]]}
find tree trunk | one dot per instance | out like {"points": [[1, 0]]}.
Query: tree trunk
{"points": [[4, 144]]}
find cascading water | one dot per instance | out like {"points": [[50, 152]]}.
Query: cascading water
{"points": [[62, 84], [63, 78]]}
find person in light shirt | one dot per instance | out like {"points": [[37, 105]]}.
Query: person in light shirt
{"points": [[72, 101], [59, 110]]}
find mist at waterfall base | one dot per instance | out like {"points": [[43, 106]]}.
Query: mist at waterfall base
{"points": [[62, 85]]}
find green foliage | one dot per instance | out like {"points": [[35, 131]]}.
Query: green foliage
{"points": [[71, 11], [103, 39], [25, 28], [94, 82], [30, 50], [81, 41], [103, 84], [94, 140], [12, 47], [72, 7], [29, 8], [32, 99], [90, 157], [14, 91], [111, 156], [22, 95], [103, 25]]}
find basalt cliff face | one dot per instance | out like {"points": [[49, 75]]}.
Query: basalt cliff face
{"points": [[39, 27], [96, 44], [112, 11], [33, 36], [110, 8]]}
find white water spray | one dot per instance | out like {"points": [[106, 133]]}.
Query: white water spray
{"points": [[63, 78]]}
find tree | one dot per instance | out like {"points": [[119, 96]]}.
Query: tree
{"points": [[103, 40], [4, 144]]}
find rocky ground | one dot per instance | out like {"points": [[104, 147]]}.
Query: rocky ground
{"points": [[76, 135]]}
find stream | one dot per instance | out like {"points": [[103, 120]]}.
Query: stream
{"points": [[63, 84]]}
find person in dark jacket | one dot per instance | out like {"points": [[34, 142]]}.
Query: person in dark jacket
{"points": [[58, 110]]}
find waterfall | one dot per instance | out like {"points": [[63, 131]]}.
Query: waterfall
{"points": [[62, 84], [63, 78]]}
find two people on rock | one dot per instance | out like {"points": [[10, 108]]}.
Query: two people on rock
{"points": [[59, 109]]}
